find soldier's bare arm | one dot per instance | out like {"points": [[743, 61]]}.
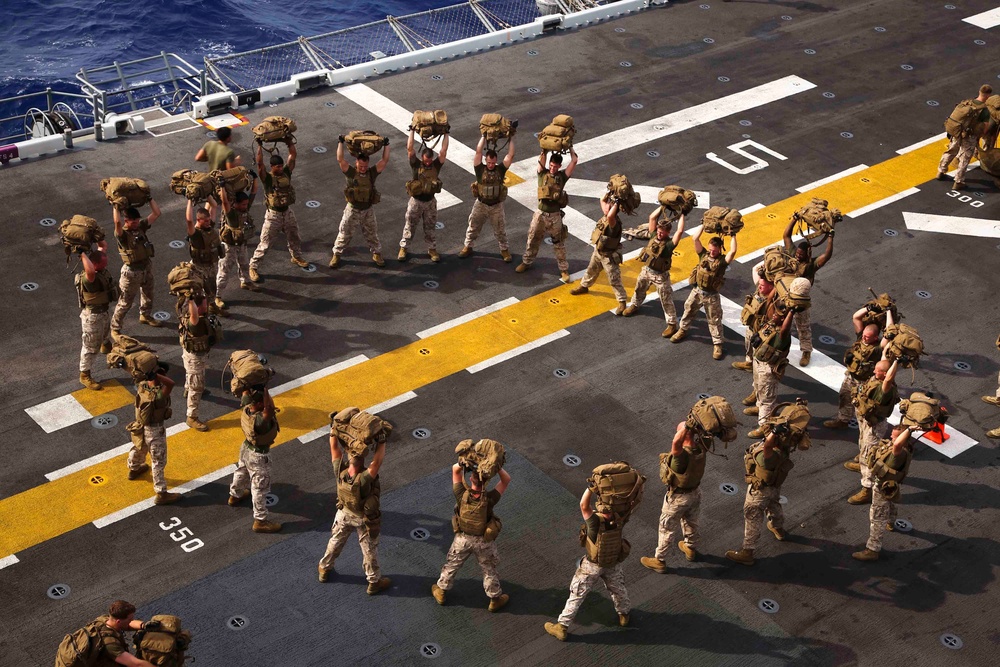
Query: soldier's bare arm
{"points": [[732, 250], [154, 212], [444, 149], [508, 159], [585, 509], [377, 460], [680, 229], [574, 158], [504, 481]]}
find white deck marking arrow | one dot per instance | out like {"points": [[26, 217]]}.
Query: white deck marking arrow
{"points": [[988, 19], [952, 224]]}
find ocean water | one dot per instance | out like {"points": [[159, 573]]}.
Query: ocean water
{"points": [[46, 42]]}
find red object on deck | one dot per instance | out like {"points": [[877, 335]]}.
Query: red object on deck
{"points": [[937, 434]]}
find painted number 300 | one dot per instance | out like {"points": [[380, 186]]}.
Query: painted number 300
{"points": [[181, 533], [965, 199]]}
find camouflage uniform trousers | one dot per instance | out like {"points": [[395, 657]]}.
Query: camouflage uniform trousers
{"points": [[345, 523], [868, 436], [486, 553], [803, 324], [254, 470], [845, 405], [194, 380], [713, 309], [998, 386], [480, 214], [586, 575], [424, 212], [766, 379], [276, 222], [96, 327], [131, 282], [761, 502], [541, 224], [883, 511], [661, 279], [210, 274], [747, 347], [236, 261], [679, 510], [369, 227], [963, 148], [608, 263], [152, 440]]}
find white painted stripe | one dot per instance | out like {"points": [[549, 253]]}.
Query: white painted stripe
{"points": [[648, 193], [882, 202], [7, 561], [450, 324], [972, 165], [315, 435], [920, 144], [830, 373], [446, 200], [150, 502], [392, 402], [58, 413], [316, 375], [750, 256], [86, 463], [751, 209], [952, 224], [510, 354], [831, 179], [988, 19], [177, 428]]}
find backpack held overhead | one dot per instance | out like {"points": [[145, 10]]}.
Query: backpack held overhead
{"points": [[494, 127], [430, 124], [237, 179], [789, 422], [195, 185], [185, 280], [250, 371], [876, 308], [358, 430], [722, 220], [922, 411], [163, 645], [621, 191], [677, 199], [617, 486], [133, 356], [124, 192], [905, 345], [79, 234], [558, 135], [816, 219], [485, 457], [274, 129], [713, 416], [778, 263], [362, 143], [792, 293]]}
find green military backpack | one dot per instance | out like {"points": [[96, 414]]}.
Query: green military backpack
{"points": [[79, 233], [963, 118], [164, 646], [722, 220], [677, 199], [275, 128], [921, 411], [80, 648], [124, 192], [621, 191]]}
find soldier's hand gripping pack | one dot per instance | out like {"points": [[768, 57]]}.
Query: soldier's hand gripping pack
{"points": [[876, 309], [79, 234], [359, 431], [620, 190], [185, 280], [124, 192], [618, 486], [816, 219], [237, 179], [133, 356], [250, 372], [484, 457], [430, 124], [722, 220], [274, 129], [558, 135], [162, 641], [677, 199], [713, 416], [792, 293], [789, 422], [362, 143], [778, 263], [905, 345], [195, 185], [494, 127]]}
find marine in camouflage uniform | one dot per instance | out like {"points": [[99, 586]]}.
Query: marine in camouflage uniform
{"points": [[422, 207], [473, 514], [361, 198], [766, 464], [963, 145], [279, 218], [96, 290], [234, 240], [657, 258], [606, 255], [860, 362], [548, 219], [253, 469], [152, 407], [137, 267], [490, 194], [707, 278], [807, 269], [198, 332], [891, 462], [994, 400], [357, 486], [605, 552], [770, 360], [872, 425], [751, 322], [206, 250]]}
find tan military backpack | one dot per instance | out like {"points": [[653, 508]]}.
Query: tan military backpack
{"points": [[494, 127], [485, 457], [233, 180], [362, 143], [921, 411], [677, 199], [79, 233], [133, 356], [816, 219], [430, 124], [185, 280], [250, 371], [778, 263], [195, 185], [165, 645], [619, 486], [621, 191], [558, 135], [274, 129], [963, 118], [722, 220], [905, 345], [789, 422], [124, 192], [714, 416], [358, 430]]}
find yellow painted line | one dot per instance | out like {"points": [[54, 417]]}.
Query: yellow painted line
{"points": [[28, 518], [511, 179], [113, 396]]}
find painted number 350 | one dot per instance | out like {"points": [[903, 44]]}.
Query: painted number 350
{"points": [[181, 533], [965, 199]]}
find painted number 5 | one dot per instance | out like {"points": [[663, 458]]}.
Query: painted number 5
{"points": [[737, 148]]}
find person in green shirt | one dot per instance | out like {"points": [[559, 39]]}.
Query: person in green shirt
{"points": [[490, 198], [963, 146], [217, 152], [895, 454], [552, 198], [871, 426], [807, 269]]}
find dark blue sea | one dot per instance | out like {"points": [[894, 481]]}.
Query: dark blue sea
{"points": [[46, 42]]}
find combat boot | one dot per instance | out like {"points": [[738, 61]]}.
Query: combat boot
{"points": [[466, 251], [629, 311], [862, 497], [249, 286], [137, 473], [504, 255], [166, 498], [220, 305], [993, 433], [757, 432], [620, 310], [401, 255], [853, 465], [743, 365], [806, 356], [689, 553], [105, 347], [439, 594], [942, 176], [89, 382], [196, 424], [679, 336], [265, 526], [377, 587], [623, 620], [377, 258], [236, 500], [334, 262], [577, 291], [753, 411], [254, 275], [498, 603], [751, 399], [564, 277], [992, 400], [743, 556], [557, 630], [834, 424], [435, 257], [299, 262], [717, 352], [522, 267], [654, 564], [867, 555], [149, 321], [958, 186], [324, 573], [669, 331], [779, 533]]}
